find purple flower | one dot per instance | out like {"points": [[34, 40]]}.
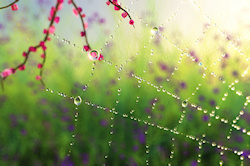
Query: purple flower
{"points": [[103, 122], [201, 98], [85, 158], [205, 118], [135, 148], [212, 103], [71, 127], [23, 132], [141, 137], [67, 162], [163, 66], [102, 21], [183, 85], [235, 73], [216, 90], [194, 163]]}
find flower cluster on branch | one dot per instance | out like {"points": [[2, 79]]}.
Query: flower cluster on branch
{"points": [[54, 19]]}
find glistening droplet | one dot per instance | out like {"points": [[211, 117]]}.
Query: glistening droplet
{"points": [[154, 30], [93, 55], [77, 100], [184, 103]]}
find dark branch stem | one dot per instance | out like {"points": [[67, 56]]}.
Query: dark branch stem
{"points": [[38, 46], [86, 39], [121, 9], [41, 71], [9, 4]]}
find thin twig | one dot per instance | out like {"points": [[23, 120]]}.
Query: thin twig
{"points": [[9, 5]]}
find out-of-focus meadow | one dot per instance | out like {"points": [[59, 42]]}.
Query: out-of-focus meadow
{"points": [[132, 111]]}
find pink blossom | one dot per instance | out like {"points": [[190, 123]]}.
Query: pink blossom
{"points": [[38, 78], [52, 29], [14, 7], [101, 57], [42, 43], [57, 19], [82, 33], [39, 66], [124, 14], [22, 67], [131, 22], [60, 1], [114, 1], [85, 25], [117, 7], [86, 48], [48, 38], [75, 12], [69, 2], [50, 18], [44, 48], [45, 31], [52, 11], [24, 54], [13, 70], [60, 6], [83, 15], [79, 9], [32, 49], [108, 3], [42, 56], [6, 72]]}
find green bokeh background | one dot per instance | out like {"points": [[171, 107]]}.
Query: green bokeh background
{"points": [[36, 126]]}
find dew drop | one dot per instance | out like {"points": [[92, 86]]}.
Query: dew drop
{"points": [[154, 30], [93, 55], [184, 103], [77, 100]]}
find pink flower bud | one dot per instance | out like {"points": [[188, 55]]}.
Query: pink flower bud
{"points": [[32, 49], [52, 29], [86, 48], [6, 72], [108, 3], [57, 19], [85, 25], [69, 2], [42, 56], [117, 7], [38, 78], [131, 22], [60, 6], [82, 33], [101, 57], [39, 66], [14, 7], [79, 9], [75, 12], [45, 31], [24, 54], [124, 14], [42, 43], [22, 67]]}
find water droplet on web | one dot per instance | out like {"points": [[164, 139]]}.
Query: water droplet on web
{"points": [[184, 103], [77, 100], [154, 30], [93, 55]]}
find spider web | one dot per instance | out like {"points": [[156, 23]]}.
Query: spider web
{"points": [[177, 96]]}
